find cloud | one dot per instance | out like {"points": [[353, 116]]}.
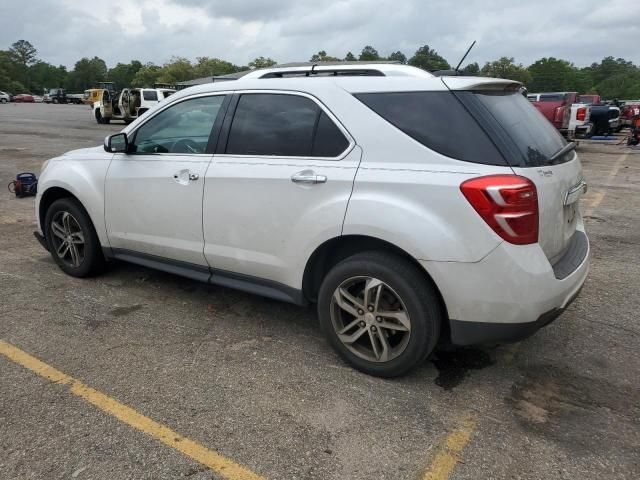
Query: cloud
{"points": [[63, 31]]}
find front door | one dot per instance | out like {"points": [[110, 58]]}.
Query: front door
{"points": [[278, 186], [154, 192]]}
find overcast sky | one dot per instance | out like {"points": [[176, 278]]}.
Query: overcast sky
{"points": [[63, 31]]}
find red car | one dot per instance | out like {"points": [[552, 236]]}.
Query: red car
{"points": [[630, 110], [23, 98], [555, 106]]}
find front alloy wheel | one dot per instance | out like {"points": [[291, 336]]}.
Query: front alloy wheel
{"points": [[370, 319], [72, 239], [68, 239]]}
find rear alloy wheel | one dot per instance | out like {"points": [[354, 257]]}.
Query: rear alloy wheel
{"points": [[380, 313], [370, 319], [71, 238]]}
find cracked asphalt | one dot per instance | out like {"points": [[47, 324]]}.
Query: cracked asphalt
{"points": [[252, 379]]}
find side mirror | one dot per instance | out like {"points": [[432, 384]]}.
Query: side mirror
{"points": [[116, 143]]}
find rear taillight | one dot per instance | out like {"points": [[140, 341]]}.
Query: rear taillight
{"points": [[509, 205], [582, 114]]}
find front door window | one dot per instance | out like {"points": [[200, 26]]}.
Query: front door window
{"points": [[182, 128]]}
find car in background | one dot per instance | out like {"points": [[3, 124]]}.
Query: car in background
{"points": [[353, 192], [630, 110], [555, 107], [92, 96], [128, 104], [5, 97], [60, 96], [38, 98], [580, 124], [24, 98], [590, 99]]}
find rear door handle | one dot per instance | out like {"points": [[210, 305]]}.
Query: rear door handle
{"points": [[308, 177]]}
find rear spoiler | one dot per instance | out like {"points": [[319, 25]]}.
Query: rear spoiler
{"points": [[481, 83]]}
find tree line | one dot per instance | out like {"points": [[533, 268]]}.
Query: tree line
{"points": [[22, 71]]}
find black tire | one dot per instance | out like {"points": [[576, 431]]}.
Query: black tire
{"points": [[4, 100], [54, 101], [92, 260], [99, 118], [412, 287]]}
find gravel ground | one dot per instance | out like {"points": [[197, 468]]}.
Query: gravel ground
{"points": [[254, 380]]}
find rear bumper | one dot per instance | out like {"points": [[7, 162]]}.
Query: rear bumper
{"points": [[508, 295], [477, 333]]}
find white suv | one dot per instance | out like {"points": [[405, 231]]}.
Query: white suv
{"points": [[410, 209]]}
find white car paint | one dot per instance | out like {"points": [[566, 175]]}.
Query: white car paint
{"points": [[246, 217], [579, 127]]}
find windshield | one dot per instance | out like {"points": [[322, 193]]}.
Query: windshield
{"points": [[530, 139]]}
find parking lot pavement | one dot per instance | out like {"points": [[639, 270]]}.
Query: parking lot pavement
{"points": [[252, 381]]}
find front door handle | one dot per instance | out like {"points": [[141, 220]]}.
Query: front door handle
{"points": [[308, 177], [184, 177]]}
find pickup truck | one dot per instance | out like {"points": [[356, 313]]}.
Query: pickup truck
{"points": [[590, 99], [128, 104], [555, 106], [58, 95]]}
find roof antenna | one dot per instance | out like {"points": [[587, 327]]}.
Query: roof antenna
{"points": [[457, 69]]}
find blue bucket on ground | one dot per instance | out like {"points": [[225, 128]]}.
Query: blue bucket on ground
{"points": [[25, 185]]}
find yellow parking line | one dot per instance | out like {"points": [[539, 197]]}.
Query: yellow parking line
{"points": [[447, 458], [599, 196], [216, 462]]}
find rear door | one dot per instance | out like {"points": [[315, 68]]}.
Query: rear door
{"points": [[530, 141], [278, 186]]}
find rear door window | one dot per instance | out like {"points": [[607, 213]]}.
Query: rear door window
{"points": [[437, 120], [267, 124]]}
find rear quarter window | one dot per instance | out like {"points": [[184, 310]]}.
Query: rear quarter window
{"points": [[150, 95], [526, 137], [437, 120]]}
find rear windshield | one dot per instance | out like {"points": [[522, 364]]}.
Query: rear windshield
{"points": [[439, 121], [525, 136], [556, 97]]}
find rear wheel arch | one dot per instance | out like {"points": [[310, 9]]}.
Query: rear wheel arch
{"points": [[333, 251]]}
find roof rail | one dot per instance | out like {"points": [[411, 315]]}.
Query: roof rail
{"points": [[325, 72]]}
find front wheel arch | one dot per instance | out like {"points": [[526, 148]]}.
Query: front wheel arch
{"points": [[51, 195]]}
